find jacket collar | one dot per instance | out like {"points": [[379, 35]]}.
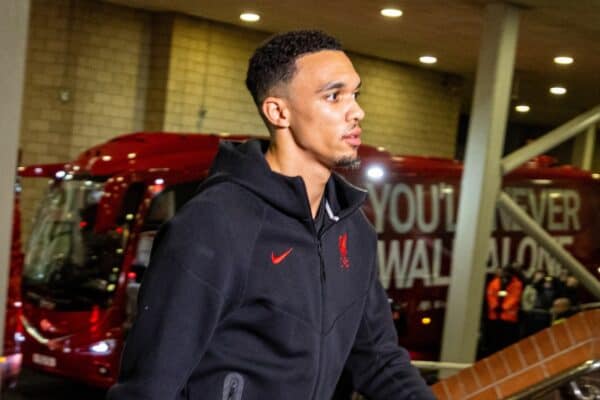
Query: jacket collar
{"points": [[245, 165]]}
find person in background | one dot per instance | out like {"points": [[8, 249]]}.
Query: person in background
{"points": [[565, 305], [561, 310], [530, 293], [532, 318], [563, 275], [503, 295], [548, 289], [571, 290]]}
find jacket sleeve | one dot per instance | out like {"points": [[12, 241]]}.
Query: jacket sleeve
{"points": [[380, 368], [183, 295]]}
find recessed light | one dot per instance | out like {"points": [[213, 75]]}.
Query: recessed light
{"points": [[522, 108], [428, 59], [391, 12], [249, 17], [564, 60], [558, 90]]}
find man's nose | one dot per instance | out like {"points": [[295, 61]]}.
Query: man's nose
{"points": [[356, 113]]}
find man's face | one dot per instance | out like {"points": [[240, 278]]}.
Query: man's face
{"points": [[324, 114]]}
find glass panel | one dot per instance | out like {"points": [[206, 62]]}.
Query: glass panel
{"points": [[68, 265]]}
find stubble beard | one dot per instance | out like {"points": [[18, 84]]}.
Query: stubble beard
{"points": [[348, 162]]}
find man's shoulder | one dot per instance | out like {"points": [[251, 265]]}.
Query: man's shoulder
{"points": [[365, 226], [226, 200]]}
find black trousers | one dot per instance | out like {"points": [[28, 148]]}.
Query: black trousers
{"points": [[501, 334]]}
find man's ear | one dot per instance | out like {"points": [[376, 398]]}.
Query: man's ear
{"points": [[276, 112]]}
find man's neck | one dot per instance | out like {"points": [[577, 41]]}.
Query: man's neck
{"points": [[314, 174]]}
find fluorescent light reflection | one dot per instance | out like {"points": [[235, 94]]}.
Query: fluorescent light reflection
{"points": [[558, 90], [249, 17], [428, 59], [391, 12]]}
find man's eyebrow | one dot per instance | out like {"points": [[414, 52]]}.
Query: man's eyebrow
{"points": [[336, 85]]}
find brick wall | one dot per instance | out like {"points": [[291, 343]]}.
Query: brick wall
{"points": [[94, 55], [158, 73], [109, 78], [122, 70], [545, 355], [408, 110], [206, 90]]}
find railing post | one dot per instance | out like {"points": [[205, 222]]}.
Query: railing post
{"points": [[480, 182], [14, 20]]}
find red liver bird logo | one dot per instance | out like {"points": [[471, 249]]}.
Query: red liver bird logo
{"points": [[343, 245]]}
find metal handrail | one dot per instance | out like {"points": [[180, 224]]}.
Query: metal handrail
{"points": [[550, 140], [542, 388], [533, 229], [529, 225], [437, 365], [589, 306]]}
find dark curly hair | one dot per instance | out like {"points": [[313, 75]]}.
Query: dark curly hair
{"points": [[274, 60]]}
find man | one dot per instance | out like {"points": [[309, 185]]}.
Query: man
{"points": [[503, 295], [264, 286]]}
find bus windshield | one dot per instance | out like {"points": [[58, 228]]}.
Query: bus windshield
{"points": [[68, 265]]}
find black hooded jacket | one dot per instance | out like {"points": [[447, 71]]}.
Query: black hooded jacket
{"points": [[244, 300]]}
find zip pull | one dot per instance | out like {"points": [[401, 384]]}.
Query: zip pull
{"points": [[233, 387]]}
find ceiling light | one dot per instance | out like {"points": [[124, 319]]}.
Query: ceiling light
{"points": [[249, 17], [391, 12], [428, 59], [522, 108], [558, 90], [564, 60]]}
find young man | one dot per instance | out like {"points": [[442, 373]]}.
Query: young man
{"points": [[264, 286]]}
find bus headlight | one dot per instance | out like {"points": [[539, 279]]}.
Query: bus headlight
{"points": [[103, 346], [19, 337]]}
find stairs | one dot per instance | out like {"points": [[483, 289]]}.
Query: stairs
{"points": [[537, 358]]}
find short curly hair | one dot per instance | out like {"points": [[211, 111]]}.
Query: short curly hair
{"points": [[274, 61]]}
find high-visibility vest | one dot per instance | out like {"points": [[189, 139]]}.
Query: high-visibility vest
{"points": [[506, 300]]}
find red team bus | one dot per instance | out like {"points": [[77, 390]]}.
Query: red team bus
{"points": [[92, 235]]}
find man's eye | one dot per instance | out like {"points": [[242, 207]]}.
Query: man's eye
{"points": [[356, 95], [332, 96]]}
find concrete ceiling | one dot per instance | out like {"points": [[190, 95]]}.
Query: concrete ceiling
{"points": [[450, 30]]}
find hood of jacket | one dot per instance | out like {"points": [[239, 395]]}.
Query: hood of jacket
{"points": [[244, 163]]}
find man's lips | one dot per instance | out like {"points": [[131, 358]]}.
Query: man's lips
{"points": [[353, 137]]}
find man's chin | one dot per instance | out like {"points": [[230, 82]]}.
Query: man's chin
{"points": [[348, 162]]}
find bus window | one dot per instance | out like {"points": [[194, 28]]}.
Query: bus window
{"points": [[163, 207]]}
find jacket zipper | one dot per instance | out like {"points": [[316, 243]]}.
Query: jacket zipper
{"points": [[322, 264], [323, 281], [319, 236]]}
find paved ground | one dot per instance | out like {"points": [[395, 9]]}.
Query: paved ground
{"points": [[33, 385]]}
